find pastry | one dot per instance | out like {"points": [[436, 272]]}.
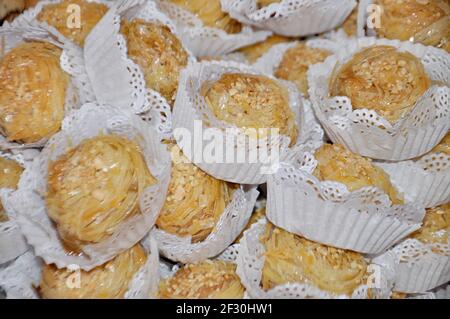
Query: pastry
{"points": [[255, 51], [435, 226], [10, 6], [295, 64], [383, 79], [10, 173], [108, 281], [211, 15], [208, 279], [251, 101], [350, 24], [290, 258], [195, 200], [61, 16], [335, 163], [95, 187], [32, 92], [423, 21], [158, 52]]}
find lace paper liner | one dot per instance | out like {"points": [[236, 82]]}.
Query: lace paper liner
{"points": [[29, 200], [230, 224], [326, 212], [207, 41], [190, 109], [291, 17], [250, 263], [17, 33], [425, 181], [364, 131], [21, 277], [442, 292], [419, 267]]}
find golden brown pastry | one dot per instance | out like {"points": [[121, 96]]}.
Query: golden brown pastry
{"points": [[108, 281], [290, 258], [205, 280], [423, 21], [10, 173], [58, 15], [443, 146], [158, 52], [10, 6], [94, 187], [383, 79], [255, 51], [210, 14], [336, 163], [296, 62], [32, 92], [435, 226], [350, 24], [398, 295], [195, 200], [251, 101]]}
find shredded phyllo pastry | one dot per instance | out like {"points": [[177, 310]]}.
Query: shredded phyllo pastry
{"points": [[158, 52], [195, 200], [108, 281], [210, 14], [435, 226], [61, 16], [296, 62], [423, 21], [443, 146], [32, 92], [251, 101], [10, 173], [94, 187], [350, 24], [293, 259], [254, 51], [383, 79], [208, 279], [336, 163], [257, 215]]}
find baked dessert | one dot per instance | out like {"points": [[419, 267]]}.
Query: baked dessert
{"points": [[60, 16], [296, 62], [207, 279], [350, 24], [11, 7], [108, 281], [336, 163], [211, 15], [158, 52], [290, 258], [94, 187], [435, 226], [426, 22], [10, 173], [251, 101], [255, 51], [195, 200], [32, 92], [383, 79]]}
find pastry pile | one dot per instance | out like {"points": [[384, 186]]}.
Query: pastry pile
{"points": [[104, 175]]}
